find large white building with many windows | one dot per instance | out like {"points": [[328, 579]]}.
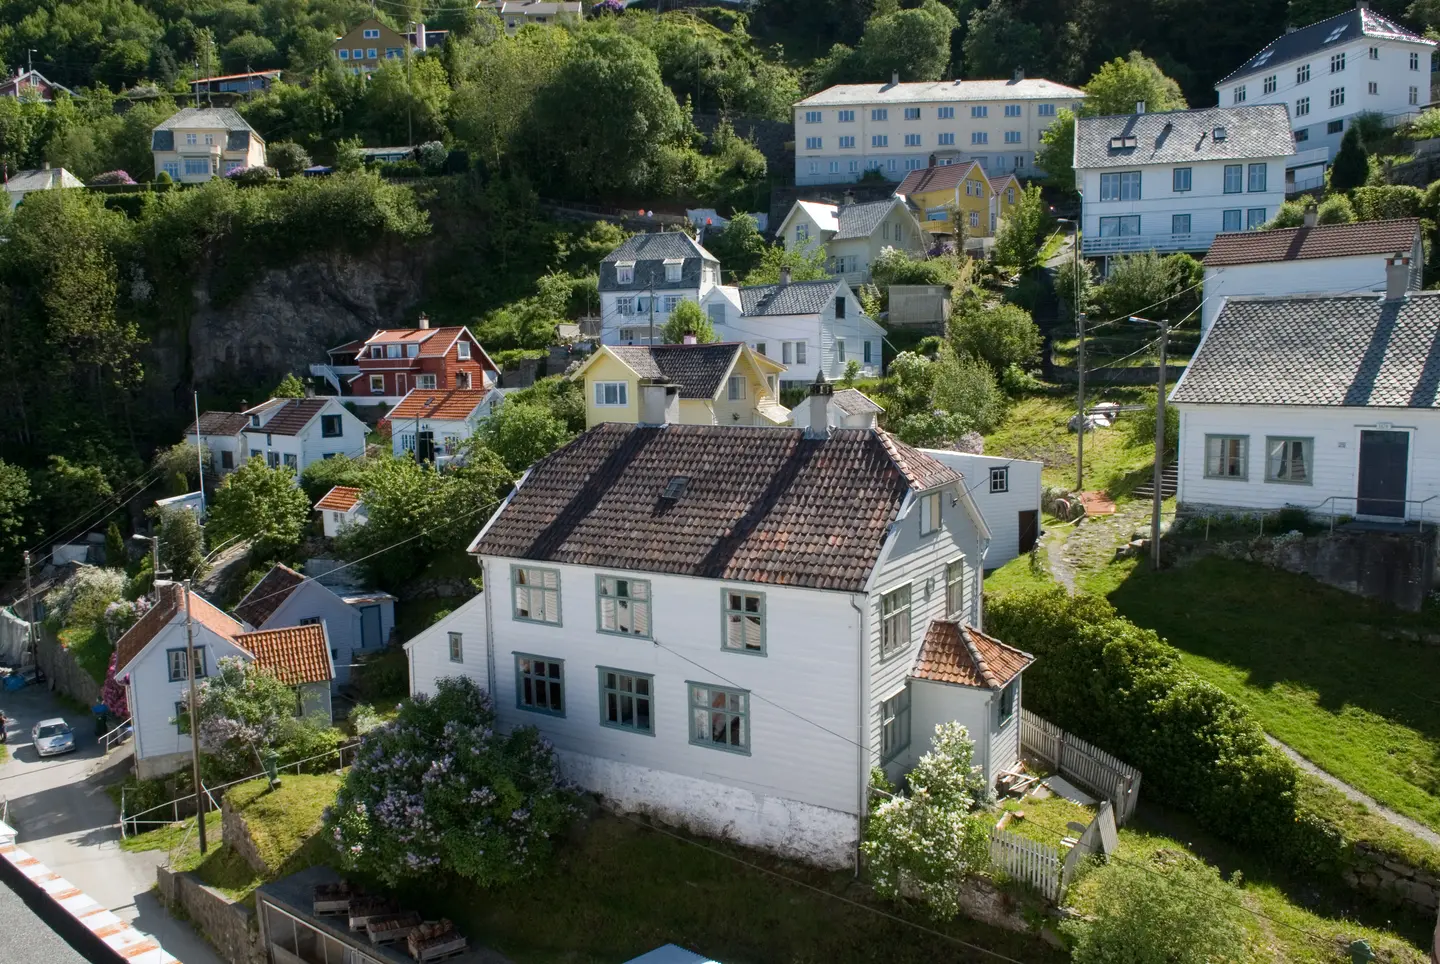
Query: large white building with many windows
{"points": [[895, 128], [1172, 181], [1326, 73]]}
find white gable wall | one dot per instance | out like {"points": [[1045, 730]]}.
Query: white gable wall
{"points": [[310, 445], [1000, 509], [311, 600], [429, 651], [820, 333], [1335, 460]]}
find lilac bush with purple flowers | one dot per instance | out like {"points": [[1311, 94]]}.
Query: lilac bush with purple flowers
{"points": [[440, 789]]}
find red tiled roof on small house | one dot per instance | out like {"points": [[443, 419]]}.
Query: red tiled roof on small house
{"points": [[958, 653], [296, 654], [453, 404], [171, 604], [342, 498]]}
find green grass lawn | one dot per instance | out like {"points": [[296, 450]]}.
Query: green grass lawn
{"points": [[90, 647], [1035, 428], [1321, 669], [622, 889]]}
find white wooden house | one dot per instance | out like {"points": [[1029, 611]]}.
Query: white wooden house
{"points": [[340, 507], [297, 431], [823, 558], [437, 422], [1007, 492], [848, 408], [222, 434], [1327, 403], [356, 621], [152, 666]]}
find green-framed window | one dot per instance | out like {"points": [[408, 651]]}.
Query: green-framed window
{"points": [[719, 717], [1227, 457], [744, 621], [1007, 701], [895, 725], [627, 700], [540, 684], [894, 621], [1289, 459], [622, 606], [536, 594]]}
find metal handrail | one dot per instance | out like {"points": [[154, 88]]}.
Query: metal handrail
{"points": [[131, 821], [110, 740], [1356, 499]]}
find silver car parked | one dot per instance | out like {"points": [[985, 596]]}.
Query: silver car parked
{"points": [[52, 737]]}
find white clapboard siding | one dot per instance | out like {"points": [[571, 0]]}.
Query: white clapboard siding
{"points": [[1028, 861], [1089, 766]]}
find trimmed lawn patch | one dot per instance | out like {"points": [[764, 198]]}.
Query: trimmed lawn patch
{"points": [[284, 822], [1035, 428], [623, 889], [1043, 817], [1322, 670], [171, 836]]}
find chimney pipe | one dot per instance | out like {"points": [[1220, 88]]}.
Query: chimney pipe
{"points": [[1312, 214], [1397, 277], [894, 78], [659, 402], [689, 339], [1139, 107], [819, 403], [424, 321], [849, 197], [45, 165], [1019, 74], [785, 274]]}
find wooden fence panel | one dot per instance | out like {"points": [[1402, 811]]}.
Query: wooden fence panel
{"points": [[1088, 765], [1027, 861]]}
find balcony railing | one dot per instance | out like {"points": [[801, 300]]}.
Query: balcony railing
{"points": [[1315, 155], [1190, 241]]}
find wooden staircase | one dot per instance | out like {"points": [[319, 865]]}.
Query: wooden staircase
{"points": [[1169, 484]]}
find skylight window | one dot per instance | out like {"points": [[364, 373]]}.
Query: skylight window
{"points": [[1260, 60], [1335, 34], [1219, 134], [675, 489]]}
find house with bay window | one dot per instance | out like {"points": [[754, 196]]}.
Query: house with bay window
{"points": [[1171, 181], [1330, 403], [645, 279], [195, 144], [727, 627]]}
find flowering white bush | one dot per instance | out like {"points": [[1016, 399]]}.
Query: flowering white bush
{"points": [[439, 789], [82, 601], [926, 843]]}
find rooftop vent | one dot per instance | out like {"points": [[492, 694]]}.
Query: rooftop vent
{"points": [[675, 488], [1218, 134]]}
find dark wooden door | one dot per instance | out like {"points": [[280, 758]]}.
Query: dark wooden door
{"points": [[1384, 462], [425, 447], [1029, 529]]}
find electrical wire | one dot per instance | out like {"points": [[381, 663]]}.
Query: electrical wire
{"points": [[86, 518]]}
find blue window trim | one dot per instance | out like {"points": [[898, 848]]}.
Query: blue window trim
{"points": [[604, 690], [725, 612], [649, 608], [691, 706], [200, 663], [520, 676]]}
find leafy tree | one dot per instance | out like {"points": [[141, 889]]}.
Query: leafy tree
{"points": [[688, 319], [1122, 83], [1018, 242], [404, 95], [83, 599], [432, 156], [491, 799], [1351, 165], [965, 386], [999, 335], [66, 489], [735, 170], [183, 459], [248, 52], [915, 42], [804, 265], [115, 554], [288, 158], [1067, 276], [521, 434], [739, 246], [934, 837], [1151, 285], [322, 475], [14, 503], [260, 504], [500, 83], [348, 158], [289, 387], [182, 543], [1387, 202], [997, 41], [244, 709], [933, 402], [1056, 154], [1172, 909]]}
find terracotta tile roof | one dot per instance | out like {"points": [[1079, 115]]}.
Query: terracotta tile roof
{"points": [[942, 177], [764, 505], [220, 423], [296, 654], [170, 606], [404, 334], [438, 345], [1000, 182], [699, 370], [1321, 241], [261, 602], [961, 654], [292, 417], [454, 404], [342, 498], [919, 469]]}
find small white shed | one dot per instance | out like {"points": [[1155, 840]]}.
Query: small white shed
{"points": [[1007, 491]]}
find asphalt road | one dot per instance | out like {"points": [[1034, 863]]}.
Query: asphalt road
{"points": [[67, 821]]}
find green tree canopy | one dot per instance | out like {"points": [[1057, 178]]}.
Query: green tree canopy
{"points": [[739, 246], [244, 710], [997, 41], [914, 42], [289, 387], [521, 433], [688, 319], [260, 504], [1056, 154], [1120, 84], [1018, 242], [1351, 166], [14, 510], [1000, 335], [804, 265], [182, 543], [288, 158]]}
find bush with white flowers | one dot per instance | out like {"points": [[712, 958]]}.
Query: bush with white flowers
{"points": [[440, 789]]}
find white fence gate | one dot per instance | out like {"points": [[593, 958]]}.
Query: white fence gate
{"points": [[1028, 861], [1089, 766]]}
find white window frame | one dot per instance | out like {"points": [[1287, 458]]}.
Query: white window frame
{"points": [[425, 382], [896, 632], [624, 272], [929, 513], [612, 394], [735, 388], [462, 350]]}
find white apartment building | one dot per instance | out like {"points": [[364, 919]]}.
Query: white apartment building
{"points": [[1172, 181], [896, 128], [1326, 73]]}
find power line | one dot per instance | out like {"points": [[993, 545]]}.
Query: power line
{"points": [[87, 519]]}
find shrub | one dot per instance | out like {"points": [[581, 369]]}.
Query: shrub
{"points": [[432, 156], [1427, 125], [111, 177], [1335, 209], [1000, 336], [442, 790], [288, 158], [83, 600], [252, 176], [323, 475], [1140, 427], [1386, 203]]}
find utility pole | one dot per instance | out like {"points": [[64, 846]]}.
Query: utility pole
{"points": [[1080, 403], [194, 716], [30, 614], [1159, 471], [652, 316], [199, 456]]}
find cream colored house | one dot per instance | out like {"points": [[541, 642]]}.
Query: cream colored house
{"points": [[197, 143], [519, 13], [719, 384], [853, 235]]}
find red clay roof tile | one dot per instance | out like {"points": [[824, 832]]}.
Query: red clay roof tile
{"points": [[296, 654], [1321, 241], [957, 653], [342, 498]]}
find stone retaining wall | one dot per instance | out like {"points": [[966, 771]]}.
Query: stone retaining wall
{"points": [[229, 927], [63, 672], [236, 835], [1389, 876]]}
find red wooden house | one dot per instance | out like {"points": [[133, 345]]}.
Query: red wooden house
{"points": [[393, 361]]}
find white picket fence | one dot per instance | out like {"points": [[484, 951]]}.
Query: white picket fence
{"points": [[1028, 861], [1089, 766]]}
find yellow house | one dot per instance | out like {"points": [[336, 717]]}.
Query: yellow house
{"points": [[937, 194], [197, 143], [721, 384], [367, 43]]}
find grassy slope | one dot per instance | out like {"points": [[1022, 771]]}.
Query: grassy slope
{"points": [[1036, 429], [90, 647]]}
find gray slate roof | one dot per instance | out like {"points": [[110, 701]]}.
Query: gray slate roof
{"points": [[204, 118], [1184, 136], [861, 220], [699, 370], [26, 936], [1337, 350], [1351, 26], [649, 252], [852, 401], [797, 298]]}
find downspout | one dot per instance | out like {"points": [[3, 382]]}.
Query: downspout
{"points": [[979, 590], [860, 718], [489, 631]]}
